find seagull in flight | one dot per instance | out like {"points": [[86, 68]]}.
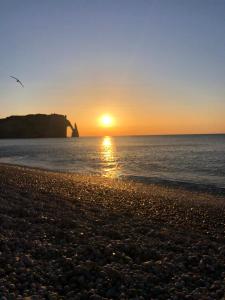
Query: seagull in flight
{"points": [[17, 80]]}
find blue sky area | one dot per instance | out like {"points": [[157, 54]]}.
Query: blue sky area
{"points": [[173, 49]]}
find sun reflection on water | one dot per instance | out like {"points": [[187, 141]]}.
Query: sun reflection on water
{"points": [[108, 158]]}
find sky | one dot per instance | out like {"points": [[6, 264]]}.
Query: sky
{"points": [[155, 66]]}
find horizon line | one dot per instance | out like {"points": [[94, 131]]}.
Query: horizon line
{"points": [[166, 134]]}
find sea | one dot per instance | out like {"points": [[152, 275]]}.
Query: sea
{"points": [[193, 161]]}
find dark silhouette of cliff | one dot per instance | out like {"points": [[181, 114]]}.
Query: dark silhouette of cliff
{"points": [[75, 132], [35, 126]]}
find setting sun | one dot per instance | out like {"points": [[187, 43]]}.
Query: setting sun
{"points": [[106, 121]]}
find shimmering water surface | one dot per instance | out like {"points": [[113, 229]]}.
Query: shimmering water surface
{"points": [[192, 159]]}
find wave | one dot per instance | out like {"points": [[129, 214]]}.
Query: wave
{"points": [[193, 186]]}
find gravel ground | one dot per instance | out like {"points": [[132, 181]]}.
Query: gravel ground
{"points": [[66, 236]]}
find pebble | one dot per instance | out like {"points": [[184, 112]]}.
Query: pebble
{"points": [[81, 239]]}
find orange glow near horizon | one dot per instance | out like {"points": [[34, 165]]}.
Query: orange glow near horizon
{"points": [[121, 68], [106, 110]]}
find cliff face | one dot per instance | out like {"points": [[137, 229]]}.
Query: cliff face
{"points": [[34, 126]]}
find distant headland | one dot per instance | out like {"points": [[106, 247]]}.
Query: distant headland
{"points": [[36, 126]]}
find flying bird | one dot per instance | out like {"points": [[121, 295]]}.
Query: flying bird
{"points": [[17, 80]]}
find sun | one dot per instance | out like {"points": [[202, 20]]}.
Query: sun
{"points": [[106, 121]]}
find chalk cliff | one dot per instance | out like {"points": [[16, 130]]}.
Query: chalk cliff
{"points": [[35, 126]]}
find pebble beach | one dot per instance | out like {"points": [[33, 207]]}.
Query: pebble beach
{"points": [[68, 236]]}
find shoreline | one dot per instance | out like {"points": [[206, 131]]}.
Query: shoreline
{"points": [[189, 186], [70, 236]]}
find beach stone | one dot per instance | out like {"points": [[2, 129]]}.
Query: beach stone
{"points": [[147, 265], [143, 243], [95, 297], [111, 293], [112, 272]]}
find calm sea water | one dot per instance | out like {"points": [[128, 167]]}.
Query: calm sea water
{"points": [[190, 159]]}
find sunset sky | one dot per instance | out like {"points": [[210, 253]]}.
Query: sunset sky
{"points": [[155, 66]]}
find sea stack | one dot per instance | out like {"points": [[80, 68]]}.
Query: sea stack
{"points": [[35, 126], [75, 132]]}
